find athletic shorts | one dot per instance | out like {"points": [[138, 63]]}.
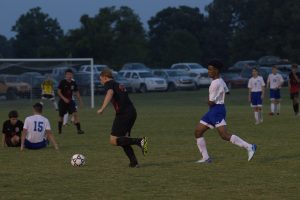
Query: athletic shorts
{"points": [[48, 96], [38, 145], [275, 94], [256, 100], [215, 117], [294, 95], [66, 107], [123, 123]]}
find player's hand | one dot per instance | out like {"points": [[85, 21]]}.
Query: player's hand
{"points": [[100, 111], [66, 100]]}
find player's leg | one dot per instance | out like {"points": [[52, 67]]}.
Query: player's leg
{"points": [[66, 119], [62, 110], [201, 144], [295, 103], [52, 99], [272, 99], [234, 139], [15, 140], [72, 110], [256, 114]]}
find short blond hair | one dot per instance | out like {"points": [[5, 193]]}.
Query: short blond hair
{"points": [[106, 73]]}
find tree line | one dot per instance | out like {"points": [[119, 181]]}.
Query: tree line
{"points": [[229, 30]]}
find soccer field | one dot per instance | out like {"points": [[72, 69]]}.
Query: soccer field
{"points": [[169, 170]]}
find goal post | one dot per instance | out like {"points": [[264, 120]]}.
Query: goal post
{"points": [[11, 64]]}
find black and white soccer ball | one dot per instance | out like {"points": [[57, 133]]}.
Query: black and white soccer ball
{"points": [[78, 160]]}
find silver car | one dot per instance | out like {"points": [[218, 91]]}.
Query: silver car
{"points": [[176, 79]]}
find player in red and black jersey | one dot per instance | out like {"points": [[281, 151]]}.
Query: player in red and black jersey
{"points": [[12, 130], [66, 104], [124, 119], [294, 80]]}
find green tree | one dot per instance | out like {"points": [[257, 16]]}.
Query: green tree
{"points": [[113, 36], [169, 24], [38, 35], [5, 47], [271, 29]]}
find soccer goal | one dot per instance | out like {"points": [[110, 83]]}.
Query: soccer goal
{"points": [[21, 79]]}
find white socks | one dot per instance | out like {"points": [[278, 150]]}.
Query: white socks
{"points": [[202, 147], [55, 105], [256, 116], [66, 119], [239, 142], [272, 107]]}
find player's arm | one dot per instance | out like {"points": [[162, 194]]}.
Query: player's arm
{"points": [[106, 101], [62, 96], [268, 82], [281, 81], [23, 136], [52, 139]]}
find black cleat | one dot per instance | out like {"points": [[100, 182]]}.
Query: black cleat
{"points": [[80, 132], [134, 165]]}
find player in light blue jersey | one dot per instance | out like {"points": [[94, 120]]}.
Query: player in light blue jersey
{"points": [[215, 117]]}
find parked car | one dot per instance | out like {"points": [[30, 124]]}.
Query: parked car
{"points": [[200, 80], [96, 68], [135, 66], [176, 79], [28, 76], [190, 67], [269, 60], [123, 81], [143, 80], [12, 87], [83, 80], [234, 80], [240, 65], [58, 73]]}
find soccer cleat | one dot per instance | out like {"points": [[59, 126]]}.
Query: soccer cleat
{"points": [[251, 151], [144, 145], [134, 165], [80, 132], [208, 160], [271, 114]]}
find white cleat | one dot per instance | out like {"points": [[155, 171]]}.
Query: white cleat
{"points": [[208, 160], [251, 151]]}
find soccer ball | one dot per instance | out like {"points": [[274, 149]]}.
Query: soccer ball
{"points": [[78, 160]]}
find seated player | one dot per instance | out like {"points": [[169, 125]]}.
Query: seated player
{"points": [[37, 130], [12, 129]]}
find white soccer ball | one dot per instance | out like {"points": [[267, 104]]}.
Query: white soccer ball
{"points": [[78, 160]]}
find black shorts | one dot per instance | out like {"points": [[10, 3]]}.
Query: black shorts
{"points": [[294, 95], [123, 123], [66, 107], [48, 96]]}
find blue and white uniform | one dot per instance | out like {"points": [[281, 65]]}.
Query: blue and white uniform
{"points": [[275, 81], [36, 127], [256, 86], [216, 115]]}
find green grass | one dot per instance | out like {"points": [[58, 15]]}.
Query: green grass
{"points": [[168, 171]]}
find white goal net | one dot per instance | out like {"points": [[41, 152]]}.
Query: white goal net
{"points": [[21, 79]]}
